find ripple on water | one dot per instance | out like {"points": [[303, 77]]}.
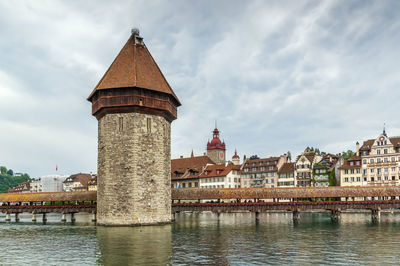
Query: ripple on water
{"points": [[201, 239]]}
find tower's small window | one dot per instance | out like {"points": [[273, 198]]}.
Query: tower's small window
{"points": [[148, 125], [121, 124], [140, 102]]}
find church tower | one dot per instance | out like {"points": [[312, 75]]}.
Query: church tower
{"points": [[134, 106], [236, 158], [216, 148]]}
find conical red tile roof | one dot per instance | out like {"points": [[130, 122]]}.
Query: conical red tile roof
{"points": [[134, 67]]}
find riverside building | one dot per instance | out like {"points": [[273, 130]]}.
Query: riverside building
{"points": [[185, 172], [324, 171], [262, 172], [381, 160], [220, 176], [304, 167], [350, 171], [286, 175]]}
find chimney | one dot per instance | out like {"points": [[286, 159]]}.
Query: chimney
{"points": [[358, 149], [181, 156]]}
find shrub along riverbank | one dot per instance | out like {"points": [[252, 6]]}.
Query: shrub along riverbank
{"points": [[8, 180]]}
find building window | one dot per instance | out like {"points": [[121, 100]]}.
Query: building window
{"points": [[148, 125], [378, 151], [372, 170], [364, 161], [346, 179], [121, 124], [358, 179], [358, 171], [378, 160], [371, 160], [385, 160], [385, 151]]}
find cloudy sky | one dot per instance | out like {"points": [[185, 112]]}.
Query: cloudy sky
{"points": [[276, 75]]}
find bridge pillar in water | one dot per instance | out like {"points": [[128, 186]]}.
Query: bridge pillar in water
{"points": [[134, 106], [335, 215], [8, 217], [296, 216], [34, 217], [73, 217], [44, 218], [376, 215], [63, 217], [94, 218], [257, 216], [16, 217]]}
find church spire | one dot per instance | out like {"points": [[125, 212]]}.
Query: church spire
{"points": [[384, 129]]}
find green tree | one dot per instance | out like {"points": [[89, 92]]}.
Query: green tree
{"points": [[10, 172], [3, 170], [347, 154], [332, 178], [289, 155]]}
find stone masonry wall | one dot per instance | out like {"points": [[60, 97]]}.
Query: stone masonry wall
{"points": [[134, 182]]}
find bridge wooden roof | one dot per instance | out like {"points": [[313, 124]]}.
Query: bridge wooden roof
{"points": [[49, 196], [289, 192]]}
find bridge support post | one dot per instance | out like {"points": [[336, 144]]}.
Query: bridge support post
{"points": [[335, 215], [16, 217], [94, 218], [72, 217], [44, 218], [173, 217], [34, 217], [296, 216], [376, 215], [63, 217], [219, 216], [257, 216], [8, 217]]}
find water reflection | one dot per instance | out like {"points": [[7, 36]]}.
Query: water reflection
{"points": [[148, 245]]}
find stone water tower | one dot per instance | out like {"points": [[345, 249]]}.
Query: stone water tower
{"points": [[134, 106]]}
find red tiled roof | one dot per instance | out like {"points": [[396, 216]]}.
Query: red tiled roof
{"points": [[183, 166], [354, 157], [82, 178], [287, 168], [134, 67], [368, 143], [212, 170], [347, 165]]}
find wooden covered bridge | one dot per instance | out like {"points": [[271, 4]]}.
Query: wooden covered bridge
{"points": [[257, 200]]}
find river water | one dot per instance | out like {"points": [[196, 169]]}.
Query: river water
{"points": [[201, 239]]}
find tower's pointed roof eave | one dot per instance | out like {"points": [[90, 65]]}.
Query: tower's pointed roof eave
{"points": [[134, 67]]}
